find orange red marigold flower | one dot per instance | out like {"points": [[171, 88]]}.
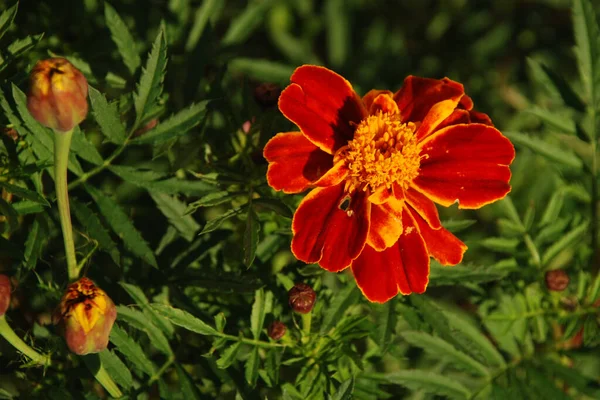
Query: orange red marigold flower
{"points": [[376, 165]]}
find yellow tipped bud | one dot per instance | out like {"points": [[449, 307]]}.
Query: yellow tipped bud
{"points": [[86, 316], [57, 94]]}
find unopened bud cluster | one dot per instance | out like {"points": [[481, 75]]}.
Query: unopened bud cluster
{"points": [[302, 298]]}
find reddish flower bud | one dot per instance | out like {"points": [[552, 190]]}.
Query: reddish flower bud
{"points": [[267, 94], [4, 294], [86, 316], [302, 298], [276, 330], [557, 280], [57, 94]]}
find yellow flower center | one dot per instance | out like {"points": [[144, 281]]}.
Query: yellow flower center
{"points": [[382, 152]]}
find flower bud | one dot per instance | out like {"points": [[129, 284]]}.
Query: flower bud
{"points": [[302, 298], [86, 316], [276, 330], [57, 94], [4, 294], [557, 280]]}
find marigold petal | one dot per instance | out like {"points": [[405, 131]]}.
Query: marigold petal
{"points": [[323, 105], [334, 176], [424, 207], [381, 195], [330, 228], [385, 103], [294, 162], [442, 245], [386, 224], [436, 115], [418, 95], [480, 118], [465, 163], [371, 95], [403, 267]]}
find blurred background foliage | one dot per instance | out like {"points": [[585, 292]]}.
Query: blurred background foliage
{"points": [[487, 329]]}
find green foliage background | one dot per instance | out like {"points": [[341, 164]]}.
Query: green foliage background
{"points": [[178, 225]]}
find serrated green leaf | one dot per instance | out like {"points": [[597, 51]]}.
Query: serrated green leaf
{"points": [[187, 387], [463, 274], [20, 47], [500, 244], [93, 226], [386, 324], [208, 10], [591, 331], [151, 82], [131, 350], [122, 38], [26, 207], [24, 193], [116, 368], [7, 210], [107, 117], [251, 368], [247, 22], [175, 126], [36, 239], [553, 208], [555, 84], [548, 150], [174, 210], [565, 241], [215, 223], [7, 17], [262, 70], [141, 300], [251, 236], [211, 199], [442, 350], [122, 226], [587, 40], [229, 355], [340, 304], [554, 120], [263, 304], [184, 319], [84, 148], [344, 392], [429, 382], [139, 320], [275, 205]]}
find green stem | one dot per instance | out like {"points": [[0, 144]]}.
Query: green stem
{"points": [[62, 144], [253, 342], [306, 323], [107, 383], [11, 337]]}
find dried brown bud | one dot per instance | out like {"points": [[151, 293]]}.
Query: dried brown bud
{"points": [[557, 280], [57, 95], [267, 94], [276, 330], [5, 290], [302, 298]]}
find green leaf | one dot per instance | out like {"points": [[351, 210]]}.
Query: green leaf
{"points": [[229, 355], [174, 210], [141, 300], [131, 350], [36, 239], [84, 148], [151, 82], [263, 304], [555, 84], [138, 320], [211, 199], [386, 324], [184, 319], [7, 210], [275, 205], [153, 181], [215, 223], [500, 244], [20, 47], [251, 236], [175, 126], [553, 208], [7, 17], [574, 377], [429, 382], [463, 274], [559, 121], [344, 392], [107, 116], [122, 38], [548, 150], [444, 351], [208, 10], [116, 368], [251, 370], [187, 387], [587, 40], [564, 242], [122, 226], [262, 70], [24, 193], [340, 304], [458, 225], [338, 31], [92, 225], [247, 22]]}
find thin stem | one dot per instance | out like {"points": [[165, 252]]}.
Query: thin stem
{"points": [[250, 341], [62, 144], [306, 323], [107, 382], [11, 337]]}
